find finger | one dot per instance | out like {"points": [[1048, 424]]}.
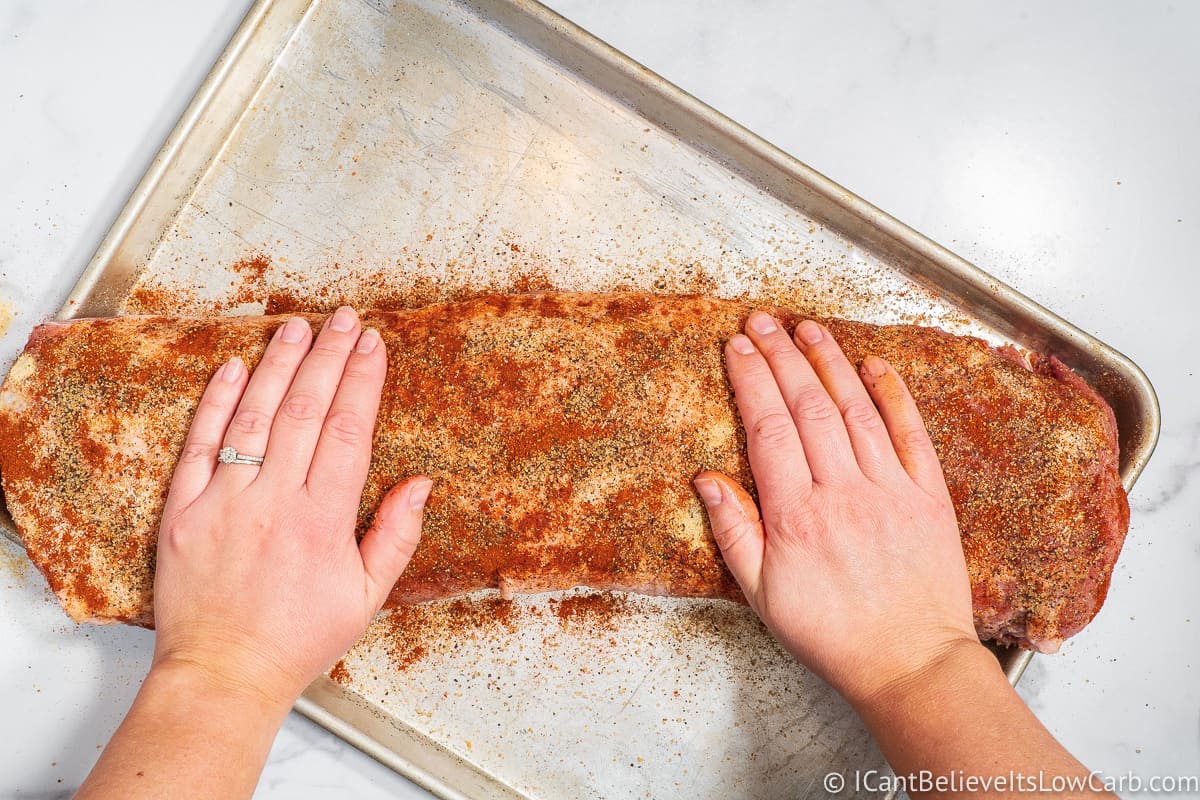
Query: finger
{"points": [[297, 425], [736, 527], [250, 428], [339, 466], [868, 436], [905, 427], [822, 432], [198, 459], [772, 441], [390, 543]]}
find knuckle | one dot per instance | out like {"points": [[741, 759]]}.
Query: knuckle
{"points": [[826, 356], [404, 537], [777, 346], [774, 428], [824, 351], [755, 372], [215, 406], [197, 451], [346, 426], [275, 362], [891, 391], [250, 421], [301, 408], [324, 348], [359, 369], [814, 404], [913, 439], [728, 536], [171, 533], [939, 509], [791, 519], [861, 414]]}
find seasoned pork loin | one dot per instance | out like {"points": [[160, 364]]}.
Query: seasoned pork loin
{"points": [[562, 431]]}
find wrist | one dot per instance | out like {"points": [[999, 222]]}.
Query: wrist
{"points": [[194, 682], [961, 665]]}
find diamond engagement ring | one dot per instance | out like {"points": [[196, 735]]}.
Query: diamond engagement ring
{"points": [[227, 455]]}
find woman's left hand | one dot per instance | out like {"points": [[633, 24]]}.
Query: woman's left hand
{"points": [[261, 584]]}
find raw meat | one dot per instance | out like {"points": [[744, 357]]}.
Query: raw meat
{"points": [[562, 431]]}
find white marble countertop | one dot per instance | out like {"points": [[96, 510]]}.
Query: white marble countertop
{"points": [[1053, 145]]}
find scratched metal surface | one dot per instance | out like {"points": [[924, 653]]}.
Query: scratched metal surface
{"points": [[395, 152], [410, 147]]}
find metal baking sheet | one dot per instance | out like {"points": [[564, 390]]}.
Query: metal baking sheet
{"points": [[393, 152]]}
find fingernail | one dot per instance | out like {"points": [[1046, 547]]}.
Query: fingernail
{"points": [[294, 331], [761, 323], [809, 332], [368, 341], [343, 319], [419, 493], [874, 366], [741, 344], [231, 370], [709, 491]]}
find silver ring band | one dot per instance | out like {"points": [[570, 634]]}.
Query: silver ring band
{"points": [[227, 455]]}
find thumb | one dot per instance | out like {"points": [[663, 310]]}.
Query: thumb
{"points": [[736, 526], [389, 544]]}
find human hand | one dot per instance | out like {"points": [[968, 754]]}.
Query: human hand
{"points": [[855, 563], [260, 583]]}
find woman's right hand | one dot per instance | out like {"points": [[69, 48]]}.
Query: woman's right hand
{"points": [[855, 562]]}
